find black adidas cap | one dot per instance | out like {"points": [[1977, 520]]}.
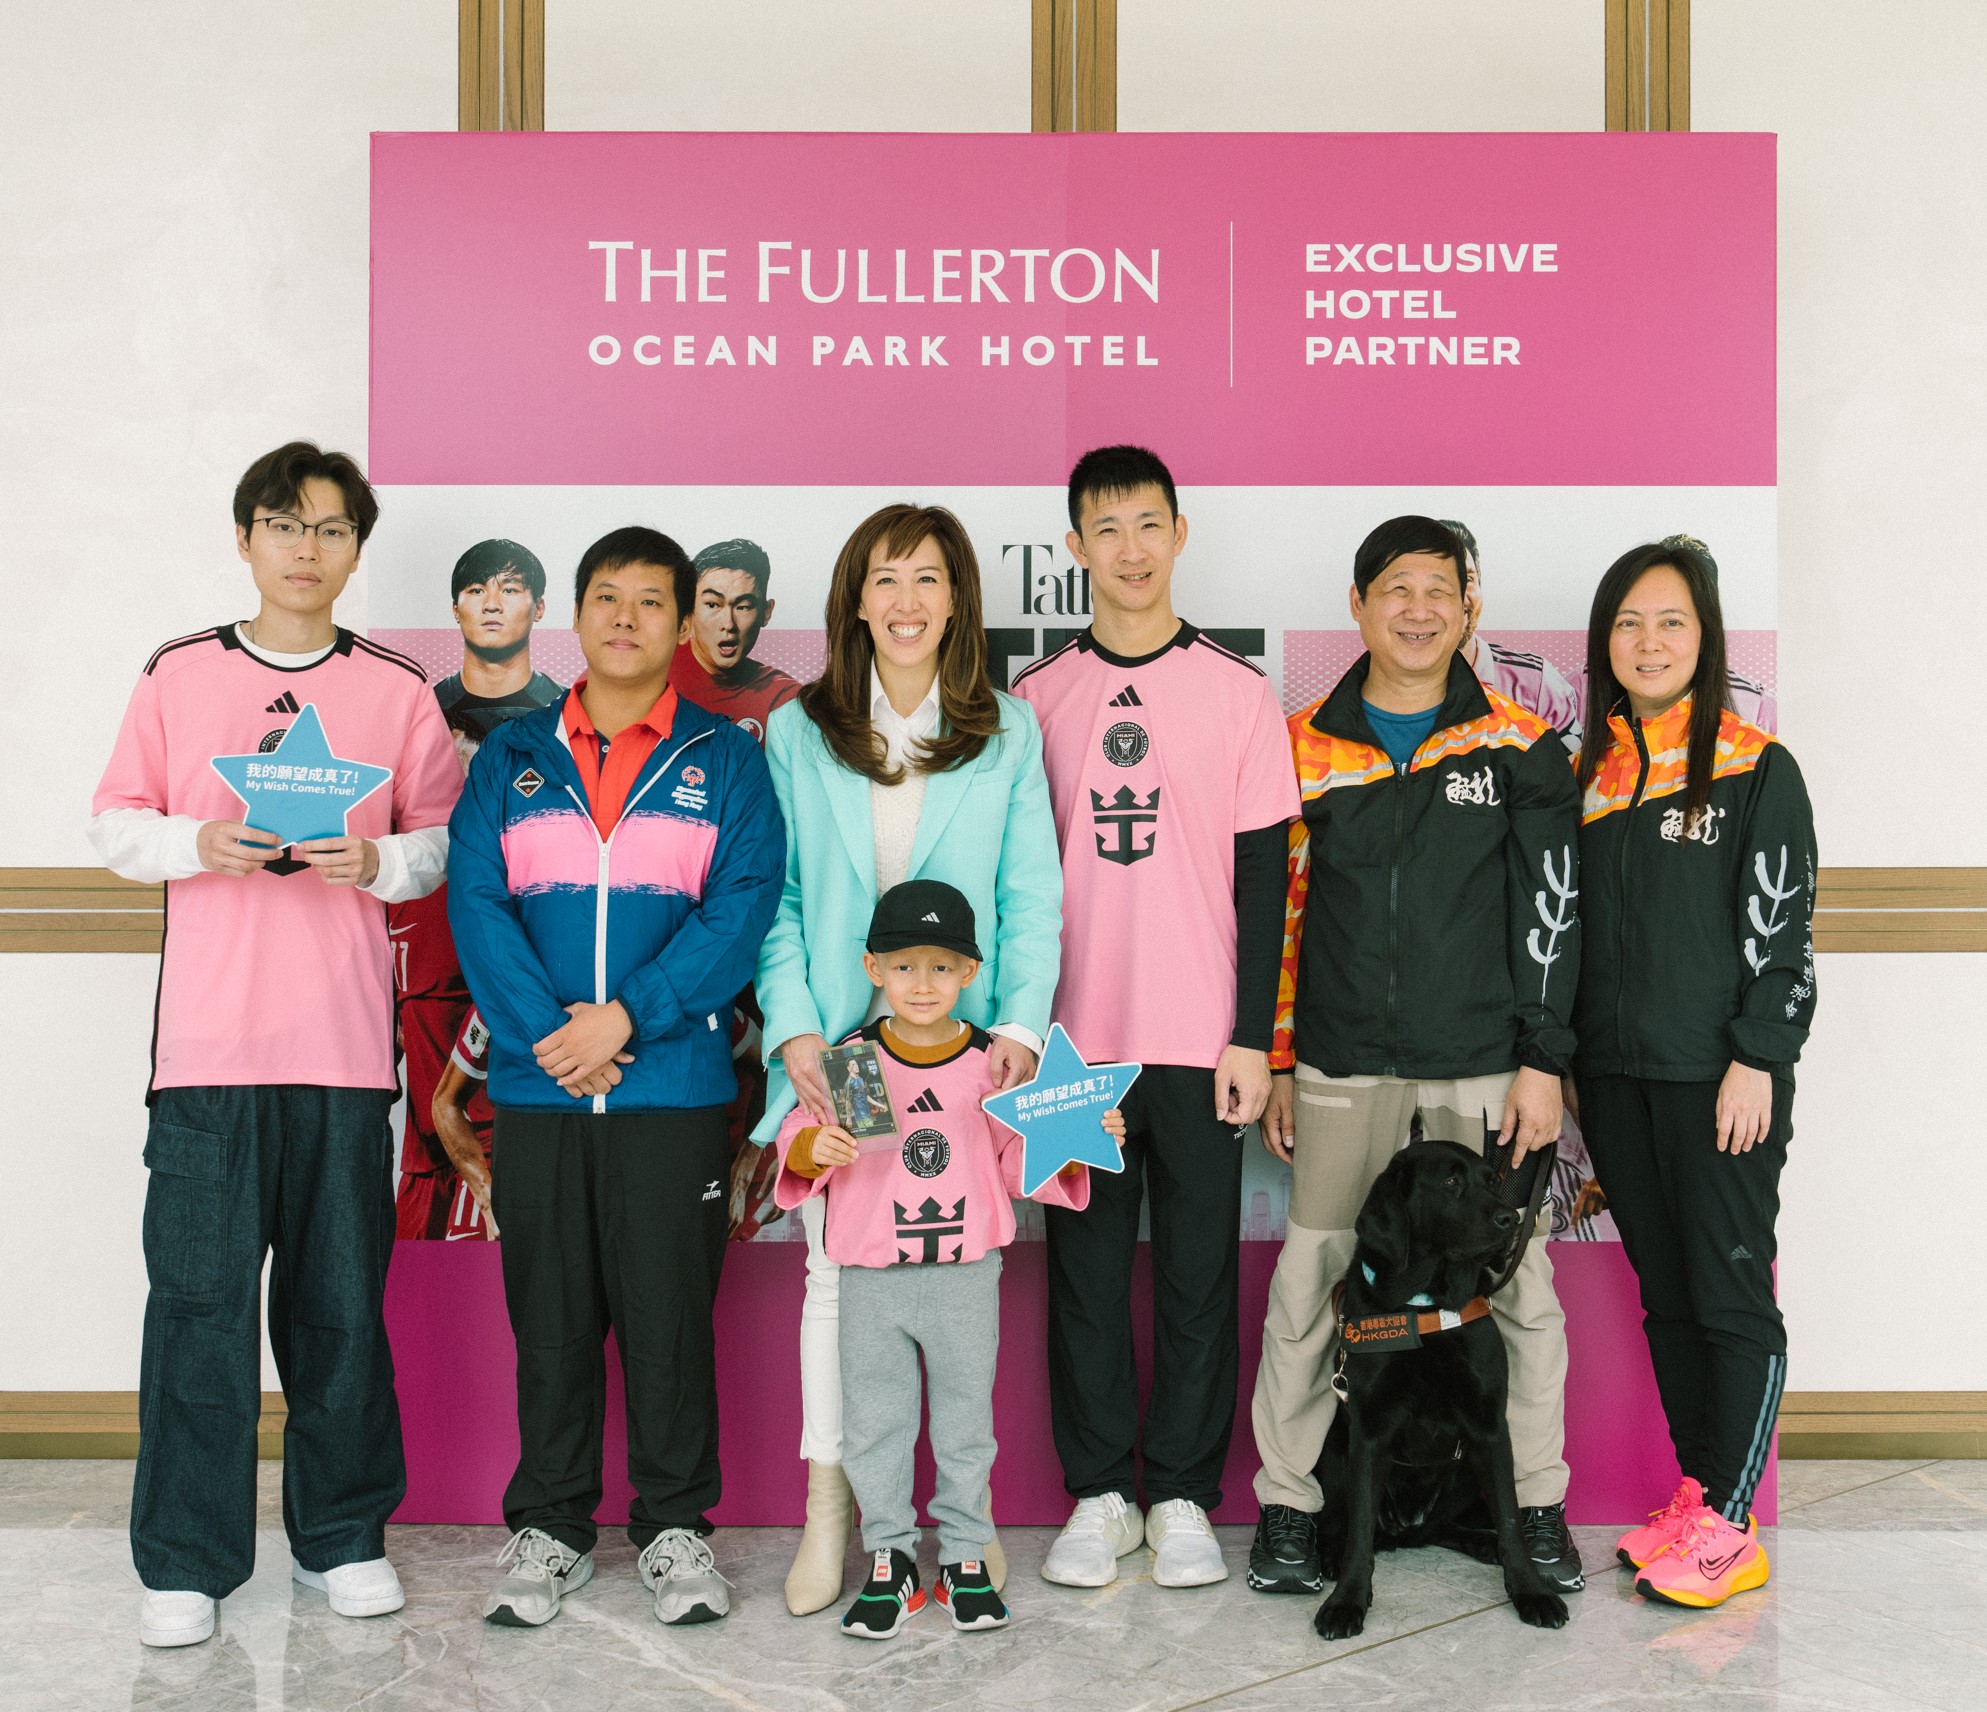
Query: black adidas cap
{"points": [[923, 912]]}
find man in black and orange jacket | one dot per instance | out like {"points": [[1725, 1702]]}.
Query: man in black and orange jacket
{"points": [[1431, 947]]}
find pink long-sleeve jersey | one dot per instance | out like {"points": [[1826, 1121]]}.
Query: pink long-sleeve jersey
{"points": [[942, 1192]]}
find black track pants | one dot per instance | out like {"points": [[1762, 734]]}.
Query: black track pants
{"points": [[1191, 1164], [1698, 1228], [612, 1222]]}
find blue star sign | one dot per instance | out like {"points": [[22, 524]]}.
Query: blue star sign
{"points": [[300, 789], [1058, 1115]]}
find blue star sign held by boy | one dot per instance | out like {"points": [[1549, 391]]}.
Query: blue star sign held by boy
{"points": [[300, 790], [1059, 1114]]}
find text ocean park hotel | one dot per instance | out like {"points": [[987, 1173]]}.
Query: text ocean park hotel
{"points": [[966, 276]]}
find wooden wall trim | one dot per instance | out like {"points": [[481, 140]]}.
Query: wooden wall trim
{"points": [[1857, 909], [1813, 1424], [1645, 64], [1827, 1425], [101, 1424], [1074, 65], [500, 65]]}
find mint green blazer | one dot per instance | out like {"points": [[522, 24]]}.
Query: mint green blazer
{"points": [[986, 828]]}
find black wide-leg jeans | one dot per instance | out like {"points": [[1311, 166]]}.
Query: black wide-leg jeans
{"points": [[303, 1175]]}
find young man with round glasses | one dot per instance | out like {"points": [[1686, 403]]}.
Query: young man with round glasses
{"points": [[272, 1066]]}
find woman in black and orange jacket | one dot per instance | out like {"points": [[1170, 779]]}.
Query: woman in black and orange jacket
{"points": [[1697, 986]]}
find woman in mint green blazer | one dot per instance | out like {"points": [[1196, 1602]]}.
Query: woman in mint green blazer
{"points": [[900, 762]]}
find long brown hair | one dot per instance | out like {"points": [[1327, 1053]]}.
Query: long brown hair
{"points": [[838, 700], [1710, 684]]}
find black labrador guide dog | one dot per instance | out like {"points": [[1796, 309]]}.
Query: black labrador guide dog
{"points": [[1419, 1453]]}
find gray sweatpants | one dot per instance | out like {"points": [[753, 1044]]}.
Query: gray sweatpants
{"points": [[889, 1314]]}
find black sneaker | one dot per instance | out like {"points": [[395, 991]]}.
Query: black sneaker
{"points": [[1551, 1547], [889, 1599], [967, 1591], [1284, 1555]]}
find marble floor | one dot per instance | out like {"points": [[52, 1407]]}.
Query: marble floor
{"points": [[1878, 1602]]}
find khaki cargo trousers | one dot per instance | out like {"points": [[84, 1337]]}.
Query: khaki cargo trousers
{"points": [[1348, 1127]]}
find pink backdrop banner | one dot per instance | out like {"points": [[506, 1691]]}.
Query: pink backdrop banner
{"points": [[455, 1360], [907, 312], [1271, 309]]}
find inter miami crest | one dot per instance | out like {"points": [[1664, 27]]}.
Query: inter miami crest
{"points": [[1119, 820], [1125, 744], [926, 1153]]}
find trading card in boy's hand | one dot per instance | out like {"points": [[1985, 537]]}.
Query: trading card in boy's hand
{"points": [[854, 1075]]}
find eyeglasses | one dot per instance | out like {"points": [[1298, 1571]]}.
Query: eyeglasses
{"points": [[334, 534]]}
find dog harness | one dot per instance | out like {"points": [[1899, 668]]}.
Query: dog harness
{"points": [[1405, 1329]]}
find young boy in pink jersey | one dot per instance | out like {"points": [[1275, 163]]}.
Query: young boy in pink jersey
{"points": [[1171, 778], [272, 1070], [917, 1221]]}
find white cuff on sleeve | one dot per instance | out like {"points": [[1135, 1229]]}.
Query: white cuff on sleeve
{"points": [[143, 844], [1020, 1036], [411, 864]]}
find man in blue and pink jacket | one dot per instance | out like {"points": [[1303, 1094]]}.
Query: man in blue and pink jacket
{"points": [[615, 860]]}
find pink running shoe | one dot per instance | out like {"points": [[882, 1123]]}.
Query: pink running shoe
{"points": [[1652, 1539], [1706, 1564]]}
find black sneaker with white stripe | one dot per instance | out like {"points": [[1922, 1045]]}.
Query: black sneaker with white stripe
{"points": [[1284, 1555], [967, 1591], [889, 1599]]}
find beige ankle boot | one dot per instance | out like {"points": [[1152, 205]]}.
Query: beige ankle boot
{"points": [[815, 1580], [996, 1558]]}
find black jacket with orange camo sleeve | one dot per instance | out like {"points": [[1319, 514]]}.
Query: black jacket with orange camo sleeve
{"points": [[1431, 927], [1699, 945]]}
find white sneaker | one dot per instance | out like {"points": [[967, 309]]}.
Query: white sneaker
{"points": [[542, 1572], [1099, 1532], [175, 1619], [1185, 1552], [678, 1568], [368, 1589]]}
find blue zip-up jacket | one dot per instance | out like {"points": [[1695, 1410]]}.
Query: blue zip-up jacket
{"points": [[665, 915]]}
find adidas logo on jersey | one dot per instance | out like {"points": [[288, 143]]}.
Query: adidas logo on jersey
{"points": [[284, 703], [929, 915], [926, 1102], [1126, 697]]}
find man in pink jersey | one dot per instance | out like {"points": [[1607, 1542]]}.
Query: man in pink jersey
{"points": [[1171, 779], [272, 1067]]}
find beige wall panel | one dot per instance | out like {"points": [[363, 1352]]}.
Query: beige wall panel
{"points": [[1883, 1187], [184, 284], [787, 65], [1883, 399], [1359, 65]]}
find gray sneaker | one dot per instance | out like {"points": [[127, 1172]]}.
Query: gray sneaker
{"points": [[678, 1567], [542, 1572]]}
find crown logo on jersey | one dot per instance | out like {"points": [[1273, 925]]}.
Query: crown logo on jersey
{"points": [[927, 1226], [926, 1102], [284, 703], [1126, 697], [527, 783], [1125, 744], [1125, 813]]}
